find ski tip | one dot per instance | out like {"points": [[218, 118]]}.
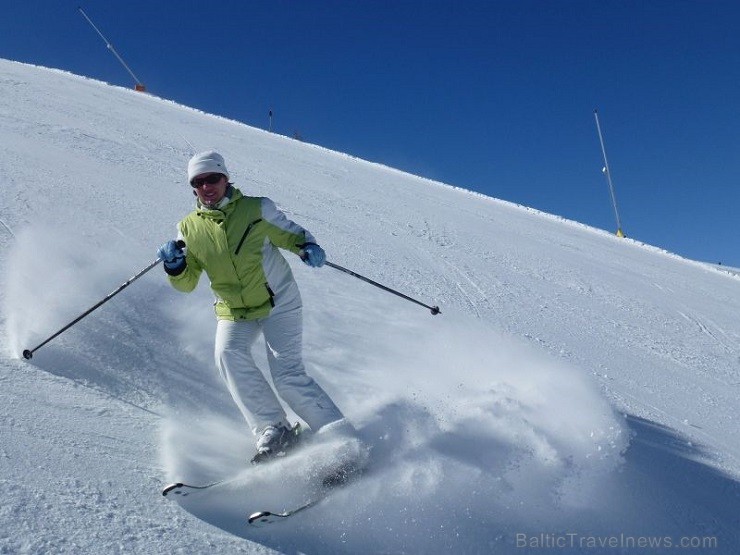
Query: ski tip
{"points": [[260, 516], [171, 487]]}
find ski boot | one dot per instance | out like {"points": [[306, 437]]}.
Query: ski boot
{"points": [[276, 441]]}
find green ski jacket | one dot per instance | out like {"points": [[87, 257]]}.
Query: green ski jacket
{"points": [[237, 246]]}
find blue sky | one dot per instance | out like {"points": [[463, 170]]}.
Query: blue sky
{"points": [[496, 96]]}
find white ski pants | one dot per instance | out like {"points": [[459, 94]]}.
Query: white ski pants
{"points": [[251, 391]]}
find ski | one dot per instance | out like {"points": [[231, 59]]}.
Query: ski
{"points": [[339, 477], [182, 489], [268, 517], [291, 442]]}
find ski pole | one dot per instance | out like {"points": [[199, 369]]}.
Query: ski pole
{"points": [[28, 353], [434, 309]]}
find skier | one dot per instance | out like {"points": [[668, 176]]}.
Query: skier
{"points": [[235, 239]]}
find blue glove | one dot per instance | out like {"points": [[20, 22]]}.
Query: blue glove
{"points": [[173, 256], [313, 255]]}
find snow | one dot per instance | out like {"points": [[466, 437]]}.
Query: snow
{"points": [[579, 392]]}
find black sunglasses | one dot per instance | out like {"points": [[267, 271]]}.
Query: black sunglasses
{"points": [[212, 179]]}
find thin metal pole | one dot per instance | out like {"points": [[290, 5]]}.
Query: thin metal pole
{"points": [[28, 353], [608, 174], [110, 47], [434, 309]]}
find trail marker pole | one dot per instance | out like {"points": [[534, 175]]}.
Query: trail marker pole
{"points": [[608, 175], [139, 86]]}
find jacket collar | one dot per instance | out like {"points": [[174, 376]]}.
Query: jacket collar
{"points": [[224, 207]]}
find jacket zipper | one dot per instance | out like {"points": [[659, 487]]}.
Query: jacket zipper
{"points": [[246, 232]]}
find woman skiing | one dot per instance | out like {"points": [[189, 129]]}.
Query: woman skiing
{"points": [[235, 239]]}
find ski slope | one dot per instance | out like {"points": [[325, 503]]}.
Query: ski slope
{"points": [[577, 390]]}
